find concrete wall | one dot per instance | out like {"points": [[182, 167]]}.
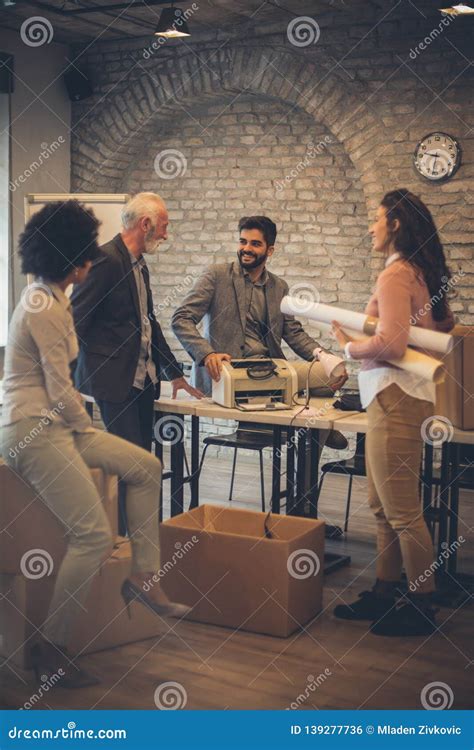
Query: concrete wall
{"points": [[40, 116]]}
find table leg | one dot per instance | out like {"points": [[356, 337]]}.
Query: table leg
{"points": [[314, 473], [427, 492], [452, 588], [276, 468], [453, 509], [443, 500], [194, 483], [177, 461], [301, 473], [158, 443], [159, 454], [290, 472]]}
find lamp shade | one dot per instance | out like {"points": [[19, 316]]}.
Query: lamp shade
{"points": [[172, 24]]}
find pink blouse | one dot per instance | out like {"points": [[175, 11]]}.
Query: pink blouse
{"points": [[401, 298]]}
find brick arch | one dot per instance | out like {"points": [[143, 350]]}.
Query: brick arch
{"points": [[106, 140]]}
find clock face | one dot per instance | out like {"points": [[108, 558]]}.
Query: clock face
{"points": [[437, 157]]}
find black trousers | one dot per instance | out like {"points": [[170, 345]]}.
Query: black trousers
{"points": [[131, 420]]}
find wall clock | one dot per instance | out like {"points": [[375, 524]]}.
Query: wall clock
{"points": [[437, 157]]}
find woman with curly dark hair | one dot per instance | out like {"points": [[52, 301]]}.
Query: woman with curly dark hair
{"points": [[410, 290], [58, 246]]}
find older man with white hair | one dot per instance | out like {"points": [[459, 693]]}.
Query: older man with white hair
{"points": [[122, 351]]}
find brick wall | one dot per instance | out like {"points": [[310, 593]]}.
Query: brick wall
{"points": [[243, 169], [246, 110]]}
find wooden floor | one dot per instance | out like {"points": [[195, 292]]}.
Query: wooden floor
{"points": [[330, 664]]}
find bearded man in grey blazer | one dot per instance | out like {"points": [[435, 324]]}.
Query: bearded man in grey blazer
{"points": [[239, 304]]}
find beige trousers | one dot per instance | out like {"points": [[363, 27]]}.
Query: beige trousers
{"points": [[393, 454], [55, 462]]}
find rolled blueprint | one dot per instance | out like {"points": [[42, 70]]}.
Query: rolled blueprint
{"points": [[412, 361], [422, 337], [334, 367]]}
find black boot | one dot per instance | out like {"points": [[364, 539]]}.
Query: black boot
{"points": [[371, 605], [413, 616], [50, 662], [336, 440]]}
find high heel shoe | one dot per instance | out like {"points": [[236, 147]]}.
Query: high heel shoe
{"points": [[56, 666], [131, 592]]}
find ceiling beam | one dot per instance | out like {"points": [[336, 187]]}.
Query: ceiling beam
{"points": [[116, 6]]}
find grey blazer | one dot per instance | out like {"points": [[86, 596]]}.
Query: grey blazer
{"points": [[218, 297]]}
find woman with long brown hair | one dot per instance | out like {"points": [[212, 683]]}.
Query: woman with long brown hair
{"points": [[410, 290]]}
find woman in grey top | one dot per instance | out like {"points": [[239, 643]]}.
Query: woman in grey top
{"points": [[58, 246]]}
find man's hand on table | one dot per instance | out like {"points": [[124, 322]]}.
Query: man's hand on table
{"points": [[213, 364], [180, 383]]}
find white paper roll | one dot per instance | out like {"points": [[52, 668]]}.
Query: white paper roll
{"points": [[412, 361], [422, 337], [334, 367]]}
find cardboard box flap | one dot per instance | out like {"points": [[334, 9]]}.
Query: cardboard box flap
{"points": [[218, 519]]}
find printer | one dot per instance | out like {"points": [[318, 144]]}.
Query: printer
{"points": [[256, 384]]}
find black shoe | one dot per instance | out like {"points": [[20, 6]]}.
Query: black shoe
{"points": [[336, 440], [369, 606], [56, 666], [407, 619]]}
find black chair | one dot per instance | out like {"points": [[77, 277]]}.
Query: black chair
{"points": [[249, 436], [351, 467]]}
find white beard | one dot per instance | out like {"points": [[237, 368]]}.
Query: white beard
{"points": [[151, 246]]}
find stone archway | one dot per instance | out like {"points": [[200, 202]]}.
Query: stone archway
{"points": [[106, 140]]}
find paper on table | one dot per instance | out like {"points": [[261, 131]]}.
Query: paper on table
{"points": [[421, 337], [412, 361]]}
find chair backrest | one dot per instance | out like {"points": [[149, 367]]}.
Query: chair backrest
{"points": [[249, 429]]}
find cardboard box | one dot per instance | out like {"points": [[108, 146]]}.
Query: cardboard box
{"points": [[453, 397], [105, 623], [218, 561], [27, 524]]}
